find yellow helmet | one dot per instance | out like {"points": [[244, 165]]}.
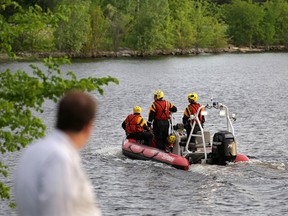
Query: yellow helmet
{"points": [[137, 109], [171, 139], [159, 94], [193, 96]]}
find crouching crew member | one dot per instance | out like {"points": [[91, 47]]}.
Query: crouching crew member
{"points": [[136, 127], [159, 114]]}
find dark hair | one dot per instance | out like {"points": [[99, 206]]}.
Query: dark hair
{"points": [[75, 110]]}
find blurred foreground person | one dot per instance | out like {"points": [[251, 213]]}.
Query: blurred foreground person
{"points": [[49, 179]]}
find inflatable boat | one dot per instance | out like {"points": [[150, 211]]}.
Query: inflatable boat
{"points": [[134, 150], [220, 149]]}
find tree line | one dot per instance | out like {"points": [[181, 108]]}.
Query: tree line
{"points": [[87, 26]]}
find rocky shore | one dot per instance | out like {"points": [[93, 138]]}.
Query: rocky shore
{"points": [[131, 53]]}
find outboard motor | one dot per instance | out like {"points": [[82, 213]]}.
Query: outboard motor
{"points": [[223, 148]]}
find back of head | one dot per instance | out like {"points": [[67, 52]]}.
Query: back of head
{"points": [[75, 111], [159, 94], [193, 97], [137, 110]]}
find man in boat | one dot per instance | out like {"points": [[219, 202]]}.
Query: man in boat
{"points": [[192, 109], [136, 127], [159, 115]]}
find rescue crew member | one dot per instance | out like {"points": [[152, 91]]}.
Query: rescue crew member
{"points": [[159, 115], [136, 127], [192, 109]]}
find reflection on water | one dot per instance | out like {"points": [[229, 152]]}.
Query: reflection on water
{"points": [[253, 86]]}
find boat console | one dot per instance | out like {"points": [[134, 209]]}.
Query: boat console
{"points": [[220, 151]]}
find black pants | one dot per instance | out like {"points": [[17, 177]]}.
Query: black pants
{"points": [[161, 130], [145, 135]]}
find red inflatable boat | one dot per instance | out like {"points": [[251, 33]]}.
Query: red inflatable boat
{"points": [[220, 150], [132, 149]]}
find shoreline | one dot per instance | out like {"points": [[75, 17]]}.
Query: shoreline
{"points": [[131, 53]]}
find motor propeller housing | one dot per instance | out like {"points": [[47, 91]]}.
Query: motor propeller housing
{"points": [[223, 148]]}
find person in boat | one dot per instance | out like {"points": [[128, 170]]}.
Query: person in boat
{"points": [[192, 109], [136, 127], [159, 115]]}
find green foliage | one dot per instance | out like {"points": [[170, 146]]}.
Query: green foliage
{"points": [[118, 25], [5, 37], [281, 25], [151, 27], [97, 37], [194, 25], [219, 39], [72, 32], [6, 32], [267, 32], [45, 4], [204, 24], [251, 23], [184, 33], [142, 25], [4, 190], [33, 29], [26, 30], [243, 19], [22, 97]]}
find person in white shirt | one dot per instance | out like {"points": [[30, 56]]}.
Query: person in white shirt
{"points": [[49, 179]]}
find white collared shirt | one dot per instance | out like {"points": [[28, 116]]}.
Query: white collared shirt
{"points": [[50, 181]]}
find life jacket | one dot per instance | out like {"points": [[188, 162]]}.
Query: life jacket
{"points": [[133, 124], [192, 110], [162, 110]]}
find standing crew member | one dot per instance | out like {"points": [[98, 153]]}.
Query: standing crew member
{"points": [[136, 127], [192, 109], [159, 114]]}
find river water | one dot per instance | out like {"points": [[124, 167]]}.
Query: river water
{"points": [[253, 86]]}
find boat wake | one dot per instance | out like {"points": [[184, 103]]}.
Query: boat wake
{"points": [[270, 164]]}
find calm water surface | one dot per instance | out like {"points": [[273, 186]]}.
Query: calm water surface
{"points": [[253, 86]]}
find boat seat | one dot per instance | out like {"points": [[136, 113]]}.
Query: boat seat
{"points": [[183, 141], [184, 138], [195, 157], [198, 139]]}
